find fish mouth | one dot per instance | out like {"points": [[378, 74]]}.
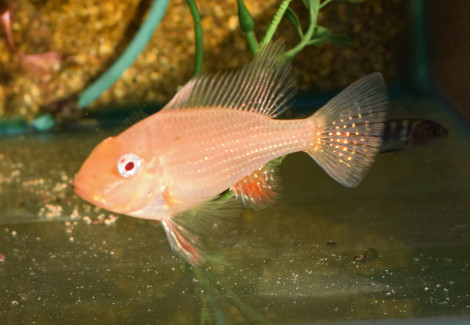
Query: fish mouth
{"points": [[100, 199], [94, 198], [85, 195], [79, 191], [86, 192]]}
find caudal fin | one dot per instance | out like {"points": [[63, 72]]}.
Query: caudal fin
{"points": [[349, 130]]}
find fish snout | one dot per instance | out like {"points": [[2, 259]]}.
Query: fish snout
{"points": [[79, 190], [81, 187], [89, 196]]}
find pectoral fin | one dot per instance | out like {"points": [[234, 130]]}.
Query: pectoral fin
{"points": [[260, 188]]}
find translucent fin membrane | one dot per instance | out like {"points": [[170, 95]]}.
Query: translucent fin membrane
{"points": [[264, 86], [259, 189], [182, 241], [349, 130], [184, 230]]}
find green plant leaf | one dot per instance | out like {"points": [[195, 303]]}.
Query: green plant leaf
{"points": [[306, 3], [247, 23], [323, 35], [292, 17]]}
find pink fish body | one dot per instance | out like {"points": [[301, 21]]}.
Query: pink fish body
{"points": [[219, 133]]}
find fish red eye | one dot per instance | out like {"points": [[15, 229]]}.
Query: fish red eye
{"points": [[128, 164]]}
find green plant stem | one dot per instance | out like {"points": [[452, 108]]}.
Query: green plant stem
{"points": [[128, 57], [326, 2], [275, 22], [252, 42], [198, 38], [314, 9]]}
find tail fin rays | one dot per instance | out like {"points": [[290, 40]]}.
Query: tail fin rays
{"points": [[349, 130]]}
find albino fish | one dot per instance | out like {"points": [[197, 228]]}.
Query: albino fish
{"points": [[401, 134], [218, 133]]}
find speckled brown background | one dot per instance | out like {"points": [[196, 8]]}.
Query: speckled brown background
{"points": [[90, 35]]}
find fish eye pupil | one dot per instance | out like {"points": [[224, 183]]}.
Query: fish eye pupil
{"points": [[129, 166]]}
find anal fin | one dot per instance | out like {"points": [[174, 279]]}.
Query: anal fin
{"points": [[260, 188]]}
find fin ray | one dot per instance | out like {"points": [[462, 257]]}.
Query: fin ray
{"points": [[264, 86], [184, 230], [349, 130], [260, 188], [182, 241]]}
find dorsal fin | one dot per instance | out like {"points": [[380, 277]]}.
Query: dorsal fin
{"points": [[259, 189], [264, 86]]}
